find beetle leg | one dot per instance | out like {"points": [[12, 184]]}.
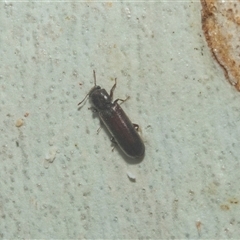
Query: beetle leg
{"points": [[99, 129], [113, 142], [122, 100], [93, 109], [113, 88]]}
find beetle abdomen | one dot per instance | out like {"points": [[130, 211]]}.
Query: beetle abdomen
{"points": [[123, 131]]}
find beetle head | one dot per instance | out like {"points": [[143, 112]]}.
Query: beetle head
{"points": [[100, 98]]}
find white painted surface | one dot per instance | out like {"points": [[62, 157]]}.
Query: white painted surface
{"points": [[187, 184]]}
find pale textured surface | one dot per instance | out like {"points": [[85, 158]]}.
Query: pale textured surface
{"points": [[59, 179]]}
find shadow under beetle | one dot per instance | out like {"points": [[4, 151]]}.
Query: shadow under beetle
{"points": [[123, 131]]}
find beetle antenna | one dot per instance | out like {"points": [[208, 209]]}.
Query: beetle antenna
{"points": [[94, 76], [83, 99]]}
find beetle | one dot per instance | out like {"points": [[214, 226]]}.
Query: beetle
{"points": [[123, 131]]}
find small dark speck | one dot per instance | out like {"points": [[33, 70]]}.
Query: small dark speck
{"points": [[17, 143], [76, 145]]}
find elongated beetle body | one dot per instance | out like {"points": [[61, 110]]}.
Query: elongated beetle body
{"points": [[116, 121]]}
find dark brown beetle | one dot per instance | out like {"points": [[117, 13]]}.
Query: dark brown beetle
{"points": [[115, 119]]}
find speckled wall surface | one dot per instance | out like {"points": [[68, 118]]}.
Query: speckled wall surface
{"points": [[60, 179]]}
